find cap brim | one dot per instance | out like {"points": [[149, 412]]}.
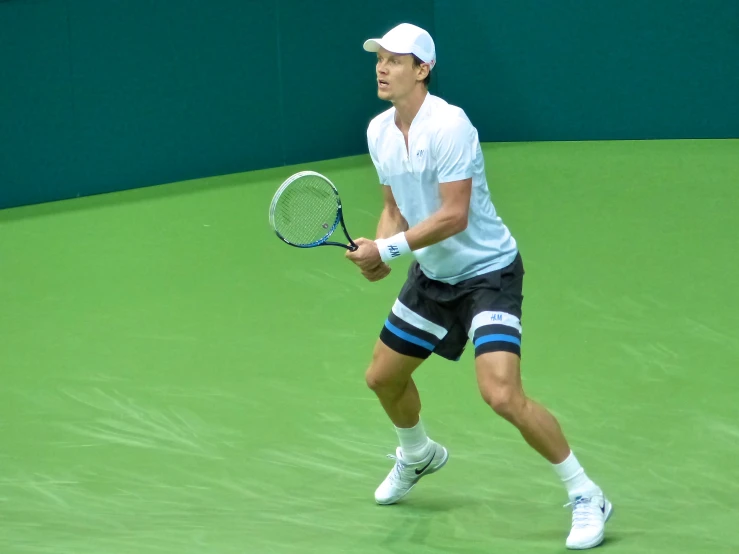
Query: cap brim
{"points": [[372, 45]]}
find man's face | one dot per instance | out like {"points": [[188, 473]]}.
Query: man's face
{"points": [[396, 75]]}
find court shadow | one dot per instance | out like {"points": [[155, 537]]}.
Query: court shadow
{"points": [[556, 535], [612, 539], [431, 505], [417, 520]]}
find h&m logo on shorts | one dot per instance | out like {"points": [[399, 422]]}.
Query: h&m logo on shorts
{"points": [[394, 250]]}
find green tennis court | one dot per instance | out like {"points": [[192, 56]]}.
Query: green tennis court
{"points": [[177, 380]]}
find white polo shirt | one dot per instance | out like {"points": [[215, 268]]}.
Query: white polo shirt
{"points": [[443, 146]]}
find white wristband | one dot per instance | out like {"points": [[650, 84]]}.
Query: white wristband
{"points": [[393, 247]]}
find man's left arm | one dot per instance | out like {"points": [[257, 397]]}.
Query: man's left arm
{"points": [[451, 217], [454, 149]]}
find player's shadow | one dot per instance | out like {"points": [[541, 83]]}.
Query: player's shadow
{"points": [[417, 520], [437, 504]]}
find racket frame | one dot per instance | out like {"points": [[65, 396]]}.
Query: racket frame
{"points": [[338, 221]]}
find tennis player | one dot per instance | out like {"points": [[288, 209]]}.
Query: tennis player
{"points": [[465, 282]]}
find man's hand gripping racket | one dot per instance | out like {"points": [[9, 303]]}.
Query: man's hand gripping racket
{"points": [[306, 210]]}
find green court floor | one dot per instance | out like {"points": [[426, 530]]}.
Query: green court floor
{"points": [[178, 381]]}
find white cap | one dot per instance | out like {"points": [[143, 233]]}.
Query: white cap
{"points": [[406, 39]]}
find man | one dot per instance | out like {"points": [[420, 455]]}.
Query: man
{"points": [[466, 280]]}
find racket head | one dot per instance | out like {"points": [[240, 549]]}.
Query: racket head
{"points": [[305, 210]]}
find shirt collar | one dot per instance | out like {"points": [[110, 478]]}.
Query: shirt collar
{"points": [[423, 112], [425, 108]]}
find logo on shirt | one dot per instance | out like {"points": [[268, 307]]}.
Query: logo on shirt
{"points": [[420, 153]]}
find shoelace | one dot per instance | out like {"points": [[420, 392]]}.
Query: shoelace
{"points": [[583, 511], [400, 466]]}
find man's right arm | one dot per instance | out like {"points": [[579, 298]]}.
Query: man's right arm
{"points": [[391, 221]]}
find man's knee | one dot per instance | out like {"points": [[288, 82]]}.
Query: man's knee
{"points": [[506, 401], [379, 380], [499, 381]]}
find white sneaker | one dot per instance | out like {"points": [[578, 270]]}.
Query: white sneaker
{"points": [[405, 475], [589, 516]]}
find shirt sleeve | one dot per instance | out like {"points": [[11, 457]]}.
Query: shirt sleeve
{"points": [[455, 151], [373, 155]]}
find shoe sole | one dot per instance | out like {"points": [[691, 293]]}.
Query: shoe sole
{"points": [[429, 472], [599, 539]]}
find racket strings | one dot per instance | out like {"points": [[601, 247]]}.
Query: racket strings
{"points": [[306, 211]]}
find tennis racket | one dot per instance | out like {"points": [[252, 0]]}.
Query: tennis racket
{"points": [[306, 210]]}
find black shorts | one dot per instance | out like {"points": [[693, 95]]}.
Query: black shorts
{"points": [[434, 317]]}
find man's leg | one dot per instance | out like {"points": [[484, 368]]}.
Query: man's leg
{"points": [[499, 380], [389, 376], [492, 312]]}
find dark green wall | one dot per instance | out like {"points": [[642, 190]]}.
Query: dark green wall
{"points": [[576, 70], [328, 80], [104, 96]]}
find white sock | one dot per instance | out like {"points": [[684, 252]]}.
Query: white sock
{"points": [[574, 478], [414, 442]]}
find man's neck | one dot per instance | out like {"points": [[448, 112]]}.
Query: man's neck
{"points": [[407, 109]]}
